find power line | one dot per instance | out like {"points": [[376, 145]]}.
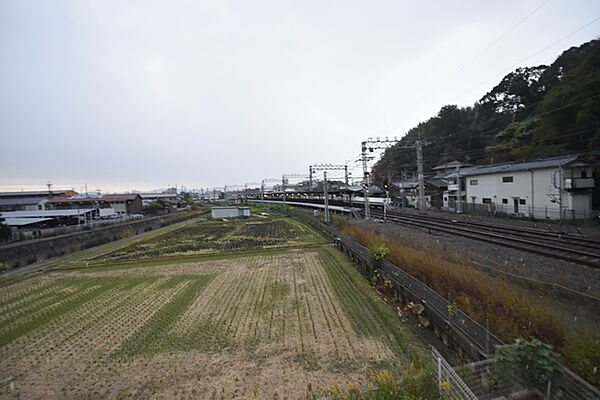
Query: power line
{"points": [[502, 116], [495, 76], [527, 58], [464, 66]]}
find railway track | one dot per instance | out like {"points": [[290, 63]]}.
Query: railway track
{"points": [[571, 248]]}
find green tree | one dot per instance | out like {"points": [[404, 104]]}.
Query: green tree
{"points": [[535, 362]]}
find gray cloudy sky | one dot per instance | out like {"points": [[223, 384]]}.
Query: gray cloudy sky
{"points": [[140, 94]]}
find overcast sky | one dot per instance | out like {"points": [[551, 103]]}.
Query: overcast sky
{"points": [[128, 95]]}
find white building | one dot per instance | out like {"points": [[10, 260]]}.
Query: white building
{"points": [[229, 212], [539, 189]]}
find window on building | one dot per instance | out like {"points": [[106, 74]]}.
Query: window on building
{"points": [[474, 182], [522, 201], [507, 179], [583, 173], [486, 201], [445, 199], [504, 201]]}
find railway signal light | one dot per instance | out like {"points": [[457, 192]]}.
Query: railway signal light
{"points": [[386, 184]]}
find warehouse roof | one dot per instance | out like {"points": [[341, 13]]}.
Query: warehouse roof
{"points": [[24, 221], [44, 213], [158, 195], [44, 193], [106, 197], [451, 165], [23, 201]]}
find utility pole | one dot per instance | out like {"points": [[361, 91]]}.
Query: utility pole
{"points": [[419, 146], [346, 174], [560, 195], [330, 167], [365, 182], [383, 144], [326, 197], [283, 182], [262, 191], [386, 187], [459, 197], [310, 173]]}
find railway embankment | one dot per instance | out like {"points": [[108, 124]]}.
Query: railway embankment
{"points": [[510, 310]]}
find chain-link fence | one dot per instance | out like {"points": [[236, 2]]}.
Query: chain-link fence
{"points": [[538, 213], [450, 384], [483, 380]]}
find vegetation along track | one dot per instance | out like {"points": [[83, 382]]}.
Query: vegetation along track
{"points": [[579, 250]]}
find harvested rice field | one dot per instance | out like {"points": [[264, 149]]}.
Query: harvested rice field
{"points": [[259, 326], [218, 237]]}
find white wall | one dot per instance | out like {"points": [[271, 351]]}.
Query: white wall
{"points": [[120, 207], [535, 188], [229, 212]]}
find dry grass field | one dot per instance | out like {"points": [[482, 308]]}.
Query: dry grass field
{"points": [[255, 326]]}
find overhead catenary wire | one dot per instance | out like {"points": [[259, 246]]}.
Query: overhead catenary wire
{"points": [[474, 58], [527, 58], [506, 115], [513, 66]]}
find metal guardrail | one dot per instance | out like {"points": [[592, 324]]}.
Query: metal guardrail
{"points": [[453, 315]]}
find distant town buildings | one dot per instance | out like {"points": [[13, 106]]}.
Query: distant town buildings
{"points": [[35, 213], [121, 204]]}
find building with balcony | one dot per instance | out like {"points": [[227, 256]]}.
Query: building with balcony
{"points": [[553, 188]]}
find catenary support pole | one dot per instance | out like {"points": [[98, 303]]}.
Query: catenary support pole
{"points": [[419, 146], [283, 184], [326, 197]]}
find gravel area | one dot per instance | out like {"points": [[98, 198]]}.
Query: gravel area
{"points": [[572, 290], [589, 229]]}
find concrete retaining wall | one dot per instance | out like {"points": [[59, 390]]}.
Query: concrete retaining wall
{"points": [[15, 255]]}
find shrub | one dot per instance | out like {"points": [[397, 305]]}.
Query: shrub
{"points": [[533, 360], [377, 252]]}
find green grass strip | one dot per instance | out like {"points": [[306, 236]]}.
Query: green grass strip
{"points": [[53, 313], [368, 315], [154, 336]]}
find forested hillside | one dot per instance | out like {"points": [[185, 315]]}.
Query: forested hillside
{"points": [[534, 112]]}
